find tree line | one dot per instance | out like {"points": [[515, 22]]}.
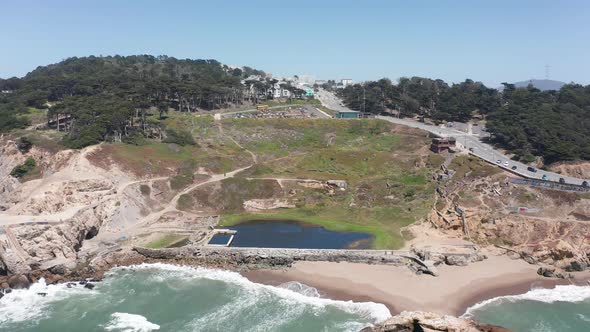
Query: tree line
{"points": [[525, 121], [99, 98]]}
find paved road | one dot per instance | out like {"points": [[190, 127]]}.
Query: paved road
{"points": [[329, 100], [480, 149]]}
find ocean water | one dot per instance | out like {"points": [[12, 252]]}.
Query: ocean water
{"points": [[562, 309], [162, 297]]}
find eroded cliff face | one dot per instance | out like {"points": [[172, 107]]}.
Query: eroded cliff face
{"points": [[45, 221], [543, 226], [10, 157]]}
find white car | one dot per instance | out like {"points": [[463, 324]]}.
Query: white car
{"points": [[505, 164], [498, 161]]}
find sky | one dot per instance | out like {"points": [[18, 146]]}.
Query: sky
{"points": [[489, 41]]}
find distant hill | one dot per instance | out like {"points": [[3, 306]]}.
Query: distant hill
{"points": [[541, 84]]}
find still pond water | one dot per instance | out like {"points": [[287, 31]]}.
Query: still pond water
{"points": [[292, 234]]}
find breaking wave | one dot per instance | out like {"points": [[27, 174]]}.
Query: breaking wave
{"points": [[296, 292], [561, 293], [124, 322], [29, 304]]}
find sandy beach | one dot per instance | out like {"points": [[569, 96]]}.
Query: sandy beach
{"points": [[452, 292]]}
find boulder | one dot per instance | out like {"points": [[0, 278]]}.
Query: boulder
{"points": [[458, 260], [577, 265], [337, 183], [547, 272], [18, 281], [59, 269]]}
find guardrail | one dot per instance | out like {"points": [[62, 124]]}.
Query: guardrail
{"points": [[550, 184]]}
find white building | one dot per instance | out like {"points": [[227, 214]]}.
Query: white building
{"points": [[276, 91], [346, 82]]}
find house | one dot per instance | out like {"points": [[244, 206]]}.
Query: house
{"points": [[276, 91], [348, 115], [439, 145], [346, 82]]}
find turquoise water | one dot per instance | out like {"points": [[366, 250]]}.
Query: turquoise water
{"points": [[161, 297], [562, 309]]}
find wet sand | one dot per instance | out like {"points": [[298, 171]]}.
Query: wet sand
{"points": [[452, 292]]}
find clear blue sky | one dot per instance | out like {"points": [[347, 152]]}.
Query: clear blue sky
{"points": [[489, 41]]}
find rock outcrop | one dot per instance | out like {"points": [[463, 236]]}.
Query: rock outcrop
{"points": [[540, 225], [262, 204], [414, 321]]}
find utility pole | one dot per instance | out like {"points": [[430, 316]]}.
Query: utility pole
{"points": [[364, 100]]}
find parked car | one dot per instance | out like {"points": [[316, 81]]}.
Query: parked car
{"points": [[514, 167], [544, 177], [561, 180], [585, 184], [531, 169], [505, 164], [498, 161]]}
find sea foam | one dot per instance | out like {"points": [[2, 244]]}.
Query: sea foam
{"points": [[29, 304], [561, 293], [298, 293], [124, 322]]}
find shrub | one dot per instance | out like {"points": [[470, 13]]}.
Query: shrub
{"points": [[22, 170], [145, 189], [24, 144], [180, 137]]}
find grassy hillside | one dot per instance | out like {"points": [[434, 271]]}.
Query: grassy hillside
{"points": [[387, 169]]}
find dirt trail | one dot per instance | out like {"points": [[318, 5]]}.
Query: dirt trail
{"points": [[222, 132]]}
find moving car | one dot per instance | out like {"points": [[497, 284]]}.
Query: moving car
{"points": [[585, 184], [544, 177], [505, 164], [498, 161], [531, 169], [561, 180], [514, 167]]}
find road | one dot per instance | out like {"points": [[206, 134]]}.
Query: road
{"points": [[469, 141]]}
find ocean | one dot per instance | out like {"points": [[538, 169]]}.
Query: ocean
{"points": [[163, 297], [562, 309]]}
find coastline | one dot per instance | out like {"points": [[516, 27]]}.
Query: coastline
{"points": [[452, 292]]}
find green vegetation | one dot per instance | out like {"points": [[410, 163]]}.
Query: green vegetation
{"points": [[423, 96], [471, 166], [109, 98], [526, 121], [166, 241], [154, 158], [551, 124], [386, 189], [21, 171]]}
